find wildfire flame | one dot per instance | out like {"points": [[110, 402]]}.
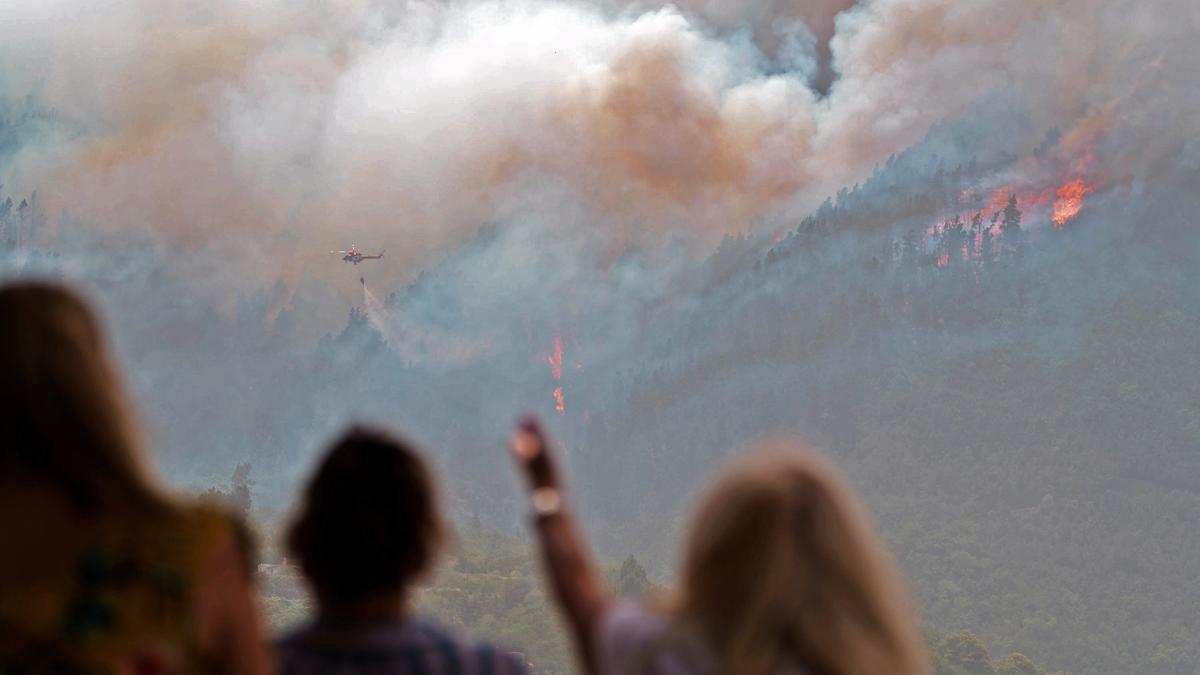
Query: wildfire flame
{"points": [[1052, 188], [555, 359], [1060, 203], [1069, 201]]}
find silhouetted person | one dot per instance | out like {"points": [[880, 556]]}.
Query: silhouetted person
{"points": [[368, 529], [781, 574], [101, 571]]}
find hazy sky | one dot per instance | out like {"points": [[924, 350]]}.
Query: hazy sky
{"points": [[276, 131]]}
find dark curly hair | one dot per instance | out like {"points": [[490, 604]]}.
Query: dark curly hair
{"points": [[370, 519]]}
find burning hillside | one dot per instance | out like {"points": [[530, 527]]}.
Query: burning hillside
{"points": [[267, 131]]}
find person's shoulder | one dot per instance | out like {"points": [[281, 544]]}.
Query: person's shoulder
{"points": [[190, 521], [632, 636], [439, 649], [292, 638], [468, 657], [207, 529], [177, 534], [492, 659], [625, 621], [292, 646], [209, 517]]}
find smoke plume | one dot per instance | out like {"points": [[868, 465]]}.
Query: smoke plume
{"points": [[273, 132]]}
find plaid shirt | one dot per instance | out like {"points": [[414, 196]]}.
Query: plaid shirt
{"points": [[411, 647]]}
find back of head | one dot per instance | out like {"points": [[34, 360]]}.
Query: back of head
{"points": [[369, 521], [782, 570], [64, 417]]}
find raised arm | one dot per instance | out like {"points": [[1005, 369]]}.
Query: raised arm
{"points": [[575, 580]]}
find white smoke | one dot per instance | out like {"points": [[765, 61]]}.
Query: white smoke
{"points": [[271, 132], [418, 342]]}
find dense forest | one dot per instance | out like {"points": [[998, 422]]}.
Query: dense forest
{"points": [[488, 589], [1016, 397]]}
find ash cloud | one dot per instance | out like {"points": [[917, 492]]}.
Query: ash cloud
{"points": [[248, 140], [541, 161], [276, 131]]}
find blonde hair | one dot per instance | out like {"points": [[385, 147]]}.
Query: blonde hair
{"points": [[65, 420], [782, 570]]}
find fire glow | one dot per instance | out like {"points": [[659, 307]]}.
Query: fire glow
{"points": [[1069, 200], [1060, 203], [555, 359], [980, 232]]}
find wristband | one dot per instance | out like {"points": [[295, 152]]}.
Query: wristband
{"points": [[546, 501]]}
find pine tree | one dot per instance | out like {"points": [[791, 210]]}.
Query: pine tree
{"points": [[953, 239], [976, 226], [22, 221], [963, 652], [632, 581], [910, 249], [7, 236], [239, 489], [238, 495], [1010, 225], [1016, 663]]}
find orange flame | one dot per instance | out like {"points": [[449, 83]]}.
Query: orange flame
{"points": [[999, 199], [1069, 201], [555, 359], [1026, 199]]}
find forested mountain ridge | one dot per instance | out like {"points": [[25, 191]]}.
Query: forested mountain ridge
{"points": [[1017, 402], [1024, 424], [489, 590]]}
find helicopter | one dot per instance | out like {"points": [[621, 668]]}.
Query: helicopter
{"points": [[355, 256]]}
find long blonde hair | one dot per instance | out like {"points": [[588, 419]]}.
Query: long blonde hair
{"points": [[782, 572], [65, 421]]}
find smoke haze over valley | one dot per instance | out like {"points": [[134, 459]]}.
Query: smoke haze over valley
{"points": [[951, 244]]}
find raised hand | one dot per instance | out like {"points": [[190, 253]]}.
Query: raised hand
{"points": [[533, 455]]}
